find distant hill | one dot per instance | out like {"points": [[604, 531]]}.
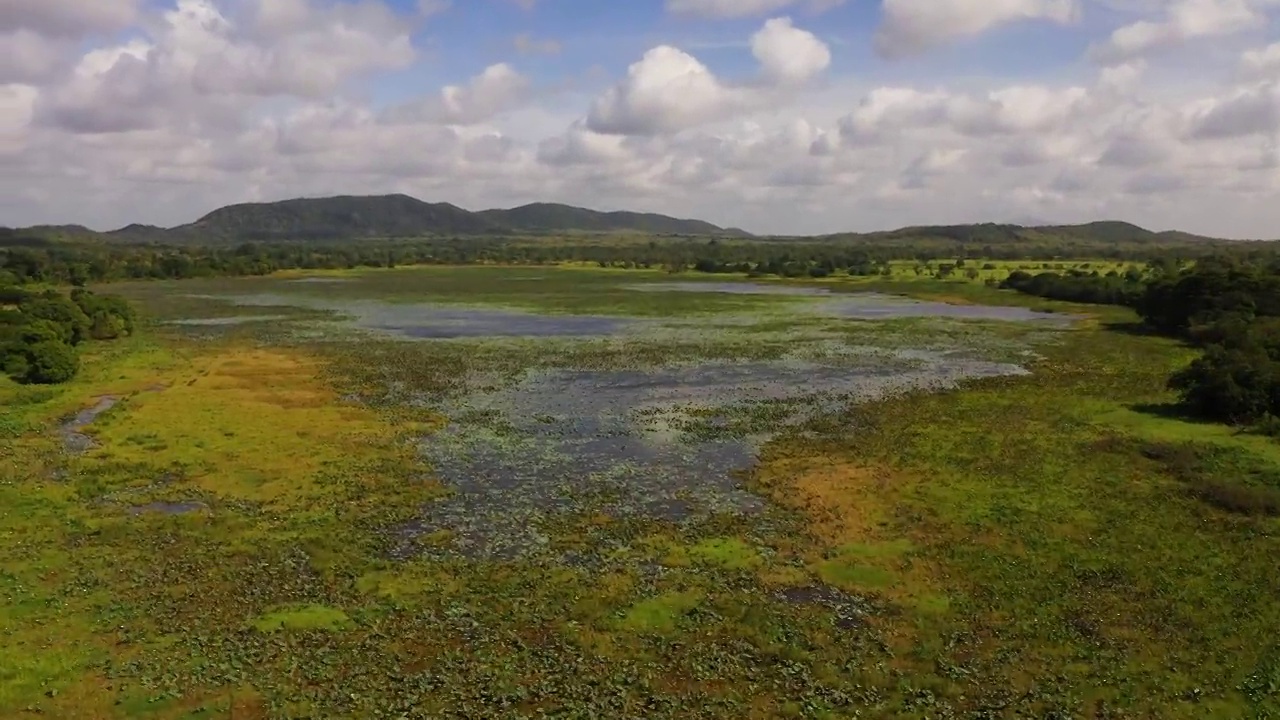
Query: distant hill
{"points": [[348, 217], [553, 217], [1105, 231], [337, 218]]}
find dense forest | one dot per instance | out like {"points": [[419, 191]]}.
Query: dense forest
{"points": [[1229, 306], [39, 332], [1232, 309]]}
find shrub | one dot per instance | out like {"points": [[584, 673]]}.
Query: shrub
{"points": [[49, 362]]}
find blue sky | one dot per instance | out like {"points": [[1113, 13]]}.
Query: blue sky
{"points": [[467, 36], [763, 114]]}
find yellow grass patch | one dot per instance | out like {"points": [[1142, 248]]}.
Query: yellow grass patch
{"points": [[857, 546], [247, 424]]}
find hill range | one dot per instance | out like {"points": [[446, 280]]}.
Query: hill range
{"points": [[348, 217]]}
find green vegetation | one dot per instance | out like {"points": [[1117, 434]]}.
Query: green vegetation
{"points": [[274, 519], [303, 617], [39, 331], [388, 231], [1233, 310]]}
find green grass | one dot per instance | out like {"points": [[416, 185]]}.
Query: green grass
{"points": [[662, 613], [728, 553], [302, 617]]}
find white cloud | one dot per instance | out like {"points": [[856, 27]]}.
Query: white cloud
{"points": [[912, 26], [665, 91], [788, 54], [1247, 111], [17, 104], [198, 64], [497, 89], [205, 102], [669, 90], [1183, 20], [725, 8], [1262, 62], [26, 56], [66, 18]]}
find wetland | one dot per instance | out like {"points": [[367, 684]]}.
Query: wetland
{"points": [[527, 492]]}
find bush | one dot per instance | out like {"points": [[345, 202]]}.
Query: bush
{"points": [[1235, 386], [48, 362], [73, 323]]}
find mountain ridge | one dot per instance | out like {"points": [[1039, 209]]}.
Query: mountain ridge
{"points": [[356, 217]]}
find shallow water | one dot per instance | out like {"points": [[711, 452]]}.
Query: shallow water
{"points": [[77, 442], [666, 443], [863, 305], [427, 320], [222, 321]]}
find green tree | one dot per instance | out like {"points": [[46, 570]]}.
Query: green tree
{"points": [[49, 362], [1236, 386], [62, 312]]}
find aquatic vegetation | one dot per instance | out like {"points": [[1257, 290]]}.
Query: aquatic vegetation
{"points": [[747, 504]]}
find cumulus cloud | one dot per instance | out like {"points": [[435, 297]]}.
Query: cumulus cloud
{"points": [[1016, 109], [198, 103], [665, 91], [1262, 62], [913, 26], [198, 61], [1183, 20], [669, 90], [26, 56], [1248, 111], [66, 18], [497, 89], [788, 54]]}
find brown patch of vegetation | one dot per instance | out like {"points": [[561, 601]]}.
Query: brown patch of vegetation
{"points": [[844, 502], [858, 546]]}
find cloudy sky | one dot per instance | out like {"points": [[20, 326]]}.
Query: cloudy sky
{"points": [[786, 116]]}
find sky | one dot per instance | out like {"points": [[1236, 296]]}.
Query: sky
{"points": [[777, 116]]}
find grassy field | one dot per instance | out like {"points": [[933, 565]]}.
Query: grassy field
{"points": [[247, 537]]}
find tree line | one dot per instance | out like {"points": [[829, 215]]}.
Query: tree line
{"points": [[1231, 309], [26, 259], [41, 331], [1228, 306]]}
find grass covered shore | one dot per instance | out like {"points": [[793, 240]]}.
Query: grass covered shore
{"points": [[1050, 545]]}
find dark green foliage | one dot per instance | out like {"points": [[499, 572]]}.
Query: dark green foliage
{"points": [[154, 253], [110, 317], [49, 362], [1233, 310], [37, 337], [1236, 385], [60, 310], [1076, 286]]}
